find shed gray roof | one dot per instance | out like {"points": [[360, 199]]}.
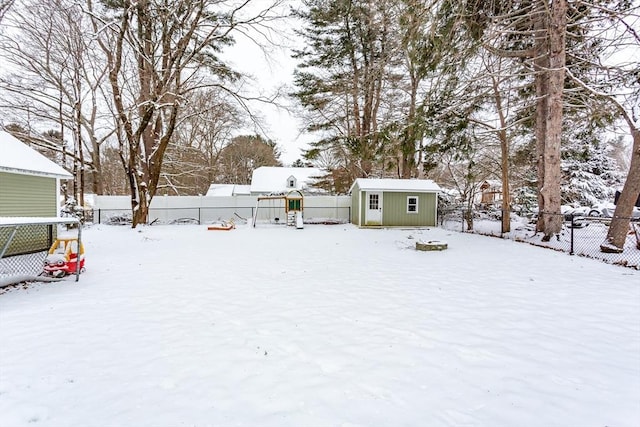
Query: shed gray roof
{"points": [[18, 157], [389, 184]]}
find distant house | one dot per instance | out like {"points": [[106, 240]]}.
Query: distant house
{"points": [[394, 202], [269, 180], [490, 192], [226, 190], [29, 182]]}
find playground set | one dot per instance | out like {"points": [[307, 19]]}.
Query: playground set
{"points": [[293, 207], [291, 203]]}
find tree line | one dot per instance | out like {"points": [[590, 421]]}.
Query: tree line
{"points": [[525, 91], [135, 95], [540, 95]]}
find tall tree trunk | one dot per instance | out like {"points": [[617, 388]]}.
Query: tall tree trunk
{"points": [[541, 68], [504, 158], [141, 212], [78, 135], [619, 227], [506, 190], [550, 40], [552, 172], [81, 171], [76, 177], [96, 171], [408, 144], [65, 190]]}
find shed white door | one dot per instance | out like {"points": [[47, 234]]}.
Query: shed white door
{"points": [[373, 212]]}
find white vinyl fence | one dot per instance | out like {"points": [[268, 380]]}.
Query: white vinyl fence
{"points": [[205, 210]]}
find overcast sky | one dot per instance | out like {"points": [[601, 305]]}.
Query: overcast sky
{"points": [[271, 70]]}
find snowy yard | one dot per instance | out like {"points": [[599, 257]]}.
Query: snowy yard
{"points": [[325, 326]]}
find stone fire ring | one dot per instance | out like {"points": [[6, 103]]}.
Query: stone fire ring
{"points": [[431, 245]]}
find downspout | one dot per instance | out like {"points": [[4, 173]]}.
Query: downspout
{"points": [[380, 208], [436, 212], [360, 199], [58, 197]]}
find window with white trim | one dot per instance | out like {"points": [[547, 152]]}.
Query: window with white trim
{"points": [[374, 202], [412, 204]]}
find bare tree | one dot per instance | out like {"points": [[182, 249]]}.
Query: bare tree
{"points": [[617, 234], [5, 5], [463, 166], [612, 86], [55, 81], [550, 191], [494, 88], [534, 31], [206, 126], [173, 47], [114, 181], [595, 31]]}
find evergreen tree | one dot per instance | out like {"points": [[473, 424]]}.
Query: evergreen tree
{"points": [[341, 78]]}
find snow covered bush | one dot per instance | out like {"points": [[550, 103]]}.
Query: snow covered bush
{"points": [[591, 175]]}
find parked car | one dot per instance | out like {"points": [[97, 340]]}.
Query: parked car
{"points": [[602, 209], [567, 211], [581, 211], [606, 210]]}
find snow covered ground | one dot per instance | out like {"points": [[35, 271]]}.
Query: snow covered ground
{"points": [[325, 326], [587, 237]]}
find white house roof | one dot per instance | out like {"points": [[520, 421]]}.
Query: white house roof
{"points": [[222, 190], [388, 184], [18, 157], [269, 179]]}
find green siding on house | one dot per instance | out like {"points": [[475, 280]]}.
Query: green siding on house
{"points": [[355, 202], [27, 195], [393, 194], [394, 209]]}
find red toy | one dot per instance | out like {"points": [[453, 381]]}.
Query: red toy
{"points": [[63, 257]]}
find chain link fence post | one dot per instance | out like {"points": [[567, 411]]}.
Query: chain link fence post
{"points": [[573, 227]]}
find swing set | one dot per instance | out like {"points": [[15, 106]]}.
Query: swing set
{"points": [[293, 207]]}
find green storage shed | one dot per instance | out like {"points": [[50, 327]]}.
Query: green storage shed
{"points": [[394, 202]]}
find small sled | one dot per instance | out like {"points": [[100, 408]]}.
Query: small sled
{"points": [[223, 226]]}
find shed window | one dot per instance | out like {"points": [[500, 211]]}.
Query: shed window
{"points": [[412, 204], [374, 202], [291, 182], [294, 204]]}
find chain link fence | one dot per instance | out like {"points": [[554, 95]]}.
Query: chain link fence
{"points": [[579, 235], [20, 258], [24, 245]]}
